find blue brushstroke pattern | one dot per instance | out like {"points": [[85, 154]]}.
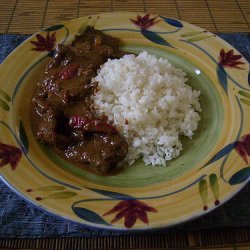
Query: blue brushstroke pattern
{"points": [[89, 215], [54, 27], [138, 30], [153, 37], [146, 197], [240, 176], [172, 22], [221, 154], [222, 75], [203, 50], [113, 195], [23, 138], [174, 192], [20, 81], [34, 165], [51, 53], [236, 139]]}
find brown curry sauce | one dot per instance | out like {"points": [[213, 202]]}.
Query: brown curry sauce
{"points": [[63, 115]]}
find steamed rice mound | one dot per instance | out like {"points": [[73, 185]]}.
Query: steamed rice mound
{"points": [[148, 101]]}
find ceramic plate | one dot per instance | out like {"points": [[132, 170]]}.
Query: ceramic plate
{"points": [[213, 166]]}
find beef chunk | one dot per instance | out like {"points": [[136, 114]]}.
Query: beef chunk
{"points": [[65, 91], [99, 151]]}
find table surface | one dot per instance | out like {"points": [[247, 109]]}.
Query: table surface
{"points": [[25, 17]]}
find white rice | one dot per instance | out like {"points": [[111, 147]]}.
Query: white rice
{"points": [[151, 95]]}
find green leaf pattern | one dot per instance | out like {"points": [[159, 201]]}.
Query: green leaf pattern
{"points": [[4, 103], [61, 195], [213, 180], [246, 95], [51, 188], [203, 192]]}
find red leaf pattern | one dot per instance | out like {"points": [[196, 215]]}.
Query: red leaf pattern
{"points": [[228, 59], [130, 220], [142, 215], [9, 155], [131, 210], [46, 43], [145, 22], [242, 147]]}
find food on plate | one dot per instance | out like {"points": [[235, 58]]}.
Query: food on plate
{"points": [[63, 114], [151, 105], [98, 107]]}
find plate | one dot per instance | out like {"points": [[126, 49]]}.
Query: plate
{"points": [[213, 166]]}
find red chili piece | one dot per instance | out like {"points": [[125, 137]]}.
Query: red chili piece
{"points": [[91, 125], [68, 71], [77, 121]]}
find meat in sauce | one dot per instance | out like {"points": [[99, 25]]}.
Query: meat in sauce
{"points": [[63, 115]]}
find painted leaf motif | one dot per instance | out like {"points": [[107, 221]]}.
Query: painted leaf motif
{"points": [[203, 191], [61, 195], [144, 22], [191, 33], [5, 95], [51, 188], [23, 138], [213, 180], [4, 105], [240, 176], [222, 76], [172, 22], [244, 93], [54, 27], [44, 42], [114, 195], [198, 38], [89, 216], [153, 37], [9, 154], [221, 153], [245, 101], [229, 59]]}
